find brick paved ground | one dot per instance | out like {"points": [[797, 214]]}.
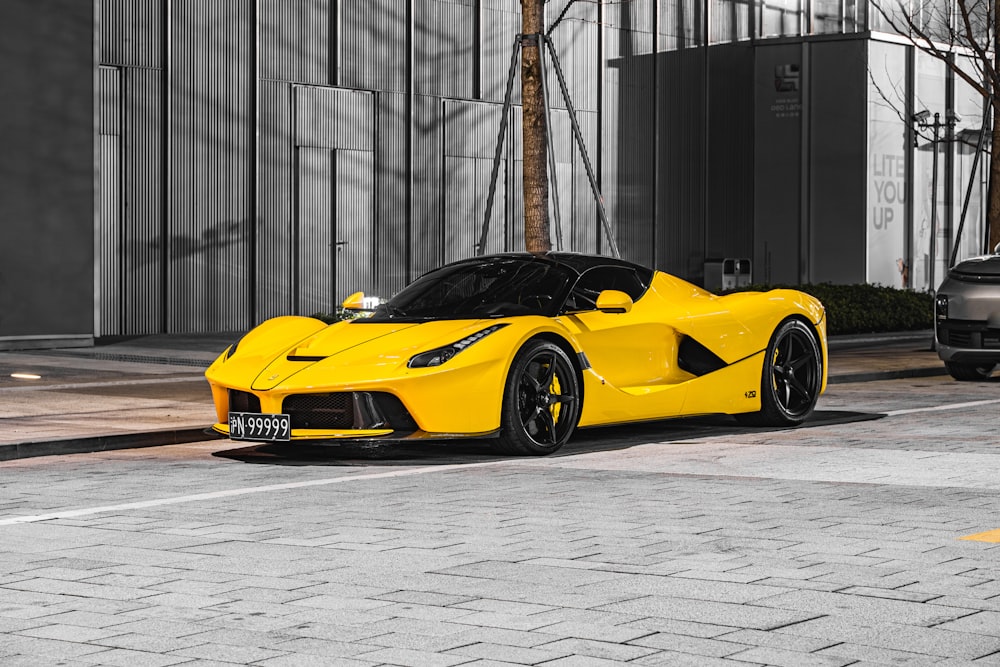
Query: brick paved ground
{"points": [[687, 543]]}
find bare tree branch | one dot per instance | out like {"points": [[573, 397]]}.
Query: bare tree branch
{"points": [[970, 32]]}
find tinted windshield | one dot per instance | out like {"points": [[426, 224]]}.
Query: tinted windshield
{"points": [[493, 287]]}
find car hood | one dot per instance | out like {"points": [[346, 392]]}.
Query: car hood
{"points": [[388, 344], [979, 269]]}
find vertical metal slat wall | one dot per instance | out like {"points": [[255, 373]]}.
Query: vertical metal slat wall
{"points": [[108, 255], [370, 123]]}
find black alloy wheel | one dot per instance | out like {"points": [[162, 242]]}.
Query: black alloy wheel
{"points": [[541, 403], [791, 379]]}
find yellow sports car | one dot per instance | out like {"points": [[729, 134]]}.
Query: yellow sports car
{"points": [[524, 348]]}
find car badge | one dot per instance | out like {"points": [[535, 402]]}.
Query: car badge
{"points": [[274, 377]]}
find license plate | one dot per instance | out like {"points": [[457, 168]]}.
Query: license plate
{"points": [[255, 426]]}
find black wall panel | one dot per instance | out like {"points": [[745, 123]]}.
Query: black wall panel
{"points": [[48, 172]]}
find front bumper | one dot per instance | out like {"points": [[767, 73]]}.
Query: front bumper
{"points": [[333, 436], [968, 341]]}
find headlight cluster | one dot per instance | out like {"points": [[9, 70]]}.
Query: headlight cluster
{"points": [[442, 354], [941, 306]]}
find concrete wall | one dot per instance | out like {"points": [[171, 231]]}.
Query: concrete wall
{"points": [[47, 170]]}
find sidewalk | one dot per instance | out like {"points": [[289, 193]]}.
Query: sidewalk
{"points": [[150, 391]]}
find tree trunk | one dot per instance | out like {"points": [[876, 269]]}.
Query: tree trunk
{"points": [[993, 193], [536, 134]]}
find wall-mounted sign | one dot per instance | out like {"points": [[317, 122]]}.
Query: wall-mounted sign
{"points": [[788, 84]]}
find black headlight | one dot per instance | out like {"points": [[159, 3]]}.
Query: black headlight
{"points": [[941, 306], [440, 355]]}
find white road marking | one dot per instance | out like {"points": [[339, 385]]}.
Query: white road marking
{"points": [[938, 408], [87, 511]]}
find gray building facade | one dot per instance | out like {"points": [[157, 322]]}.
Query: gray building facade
{"points": [[190, 166]]}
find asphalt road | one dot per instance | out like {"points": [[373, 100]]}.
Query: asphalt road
{"points": [[693, 542]]}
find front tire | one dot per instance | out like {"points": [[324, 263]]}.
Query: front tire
{"points": [[791, 379], [968, 372], [541, 404]]}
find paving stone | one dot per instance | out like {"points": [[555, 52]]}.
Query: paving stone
{"points": [[884, 656], [89, 619], [306, 660], [80, 589], [599, 649], [703, 611], [117, 657], [187, 600], [785, 658], [888, 594], [398, 656], [428, 598], [579, 661], [980, 623], [426, 613], [992, 660], [429, 643], [238, 654], [319, 647], [503, 606], [690, 587], [713, 648], [147, 643], [593, 630], [10, 625], [489, 663], [238, 637], [675, 659], [168, 615], [68, 633], [863, 608], [778, 640], [674, 626], [52, 649], [801, 584], [333, 632], [921, 640], [42, 661], [517, 655]]}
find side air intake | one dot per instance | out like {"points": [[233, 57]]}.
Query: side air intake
{"points": [[697, 359]]}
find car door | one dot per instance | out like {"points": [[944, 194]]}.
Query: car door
{"points": [[629, 350]]}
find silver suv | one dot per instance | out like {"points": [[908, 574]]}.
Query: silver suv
{"points": [[968, 318]]}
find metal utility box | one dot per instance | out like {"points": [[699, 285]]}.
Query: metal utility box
{"points": [[727, 274]]}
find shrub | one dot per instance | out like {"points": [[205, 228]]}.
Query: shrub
{"points": [[855, 309]]}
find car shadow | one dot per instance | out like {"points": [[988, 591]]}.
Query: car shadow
{"points": [[451, 452]]}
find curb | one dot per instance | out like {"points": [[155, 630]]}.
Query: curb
{"points": [[874, 376], [102, 443], [847, 341]]}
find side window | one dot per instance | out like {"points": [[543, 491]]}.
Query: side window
{"points": [[600, 278]]}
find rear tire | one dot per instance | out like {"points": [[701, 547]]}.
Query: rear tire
{"points": [[969, 372], [791, 379], [541, 404]]}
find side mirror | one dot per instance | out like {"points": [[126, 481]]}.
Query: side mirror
{"points": [[358, 301], [354, 302], [613, 301]]}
